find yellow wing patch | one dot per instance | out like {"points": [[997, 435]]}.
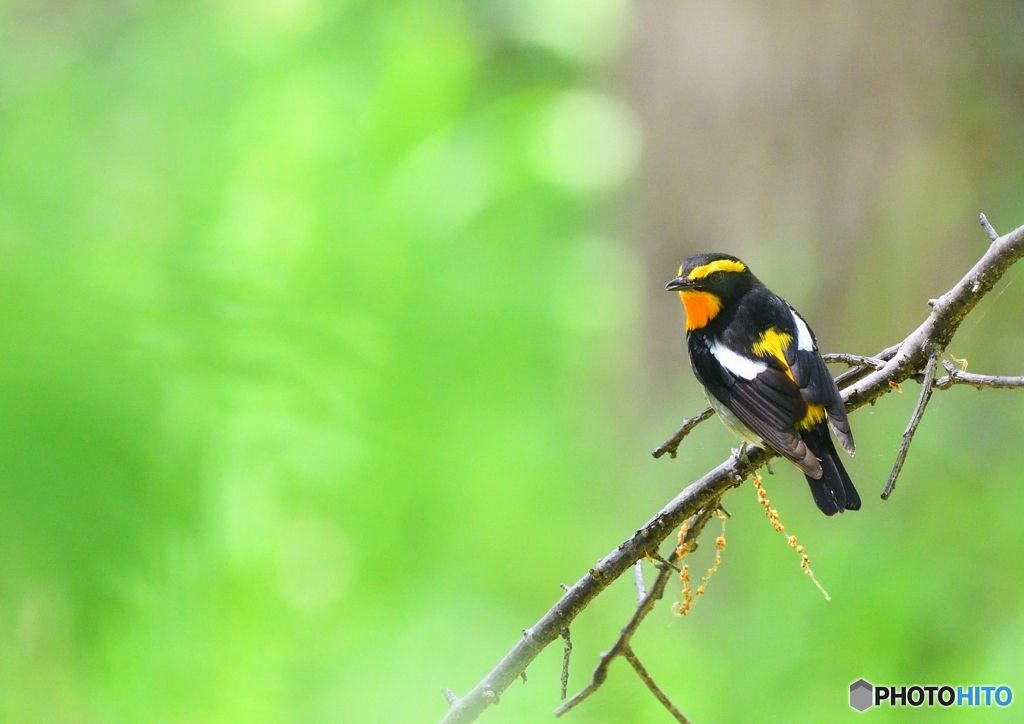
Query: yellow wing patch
{"points": [[815, 414], [773, 343], [701, 308], [726, 265]]}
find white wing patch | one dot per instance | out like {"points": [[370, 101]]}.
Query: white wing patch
{"points": [[804, 340], [737, 364]]}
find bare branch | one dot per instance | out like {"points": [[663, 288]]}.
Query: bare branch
{"points": [[854, 360], [915, 420], [630, 656], [672, 444], [959, 377], [863, 386], [645, 605]]}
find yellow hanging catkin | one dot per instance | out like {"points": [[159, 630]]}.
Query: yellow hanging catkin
{"points": [[684, 606], [719, 547], [773, 516], [681, 608]]}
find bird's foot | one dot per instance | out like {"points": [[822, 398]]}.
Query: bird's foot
{"points": [[741, 453]]}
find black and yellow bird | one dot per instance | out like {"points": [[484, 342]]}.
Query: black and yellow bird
{"points": [[760, 367]]}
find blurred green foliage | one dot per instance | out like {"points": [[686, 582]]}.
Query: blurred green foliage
{"points": [[325, 362]]}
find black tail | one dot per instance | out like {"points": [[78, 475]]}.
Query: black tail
{"points": [[834, 492]]}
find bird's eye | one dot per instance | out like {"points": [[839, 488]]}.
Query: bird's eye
{"points": [[717, 277]]}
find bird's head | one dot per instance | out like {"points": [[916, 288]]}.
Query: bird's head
{"points": [[708, 283]]}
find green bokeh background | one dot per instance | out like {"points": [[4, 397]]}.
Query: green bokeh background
{"points": [[333, 341]]}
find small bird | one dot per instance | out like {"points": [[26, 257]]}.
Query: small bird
{"points": [[762, 373]]}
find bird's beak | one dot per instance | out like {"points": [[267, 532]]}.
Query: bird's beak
{"points": [[678, 284]]}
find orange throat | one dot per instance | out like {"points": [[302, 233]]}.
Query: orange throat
{"points": [[701, 308]]}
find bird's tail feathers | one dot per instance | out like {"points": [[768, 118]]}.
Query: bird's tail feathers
{"points": [[833, 492]]}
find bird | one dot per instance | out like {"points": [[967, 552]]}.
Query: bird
{"points": [[759, 364]]}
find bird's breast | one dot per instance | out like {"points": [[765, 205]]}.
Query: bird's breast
{"points": [[732, 422]]}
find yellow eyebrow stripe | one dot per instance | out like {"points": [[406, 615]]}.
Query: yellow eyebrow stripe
{"points": [[727, 265]]}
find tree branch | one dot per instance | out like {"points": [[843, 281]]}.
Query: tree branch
{"points": [[959, 377], [988, 228], [638, 581], [629, 656], [905, 361], [672, 444], [645, 605], [855, 360], [566, 654], [915, 420]]}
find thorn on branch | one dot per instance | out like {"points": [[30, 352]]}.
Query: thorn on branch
{"points": [[988, 228], [915, 420], [449, 696], [672, 444]]}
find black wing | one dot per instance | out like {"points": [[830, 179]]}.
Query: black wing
{"points": [[817, 386], [770, 404]]}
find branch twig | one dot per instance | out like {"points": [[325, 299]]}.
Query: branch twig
{"points": [[959, 377], [865, 386], [644, 606], [915, 420], [988, 228], [638, 581], [672, 444], [566, 654], [854, 360], [629, 656]]}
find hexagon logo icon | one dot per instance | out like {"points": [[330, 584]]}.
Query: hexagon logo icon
{"points": [[861, 695]]}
